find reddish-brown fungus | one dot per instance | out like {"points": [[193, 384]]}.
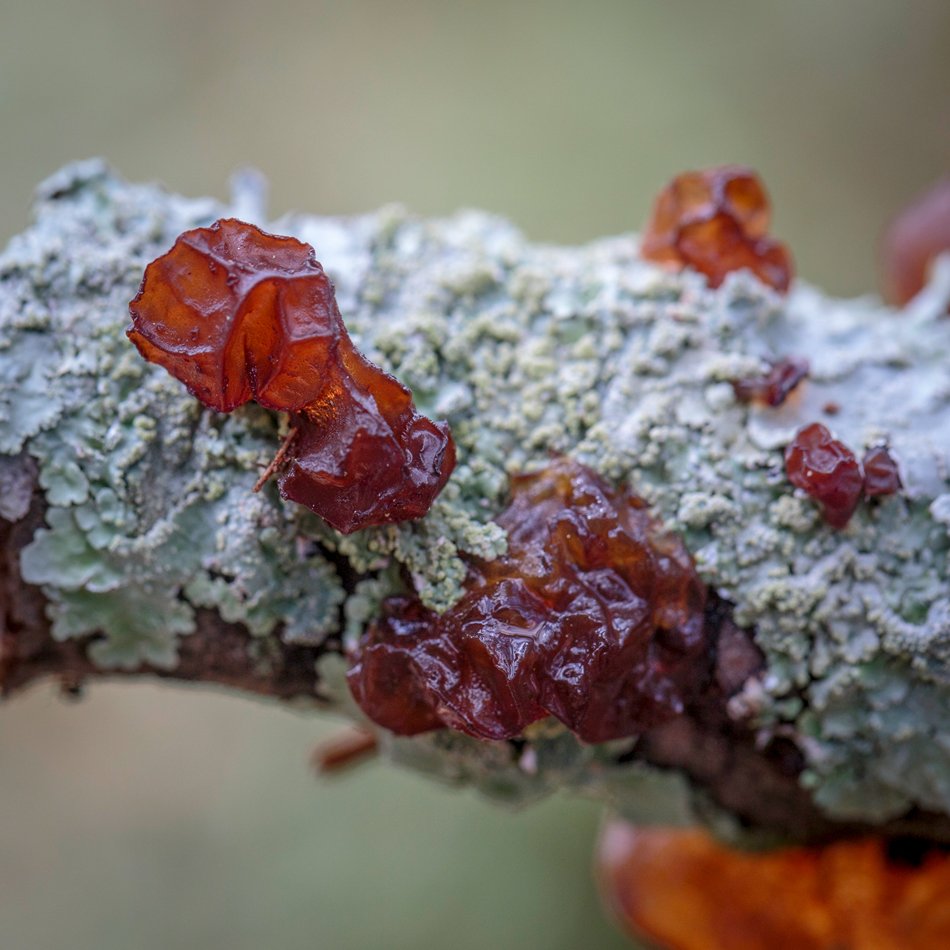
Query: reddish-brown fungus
{"points": [[913, 240], [594, 616], [775, 386], [681, 890], [881, 475], [237, 314], [716, 221], [827, 470]]}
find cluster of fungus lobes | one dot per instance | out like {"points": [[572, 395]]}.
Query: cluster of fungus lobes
{"points": [[594, 616], [914, 240], [683, 890], [591, 353], [828, 471], [716, 221], [237, 314]]}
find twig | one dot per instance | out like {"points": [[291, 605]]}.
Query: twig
{"points": [[276, 461]]}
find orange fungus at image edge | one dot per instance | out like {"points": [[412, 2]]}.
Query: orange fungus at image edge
{"points": [[827, 470], [682, 890], [716, 221], [594, 616], [237, 314], [913, 240]]}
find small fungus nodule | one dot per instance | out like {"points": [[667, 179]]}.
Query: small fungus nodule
{"points": [[881, 475], [913, 240], [594, 615]]}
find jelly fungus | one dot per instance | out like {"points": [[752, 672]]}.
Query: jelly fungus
{"points": [[913, 240], [775, 386], [716, 221], [881, 476], [681, 890], [827, 470], [594, 616], [237, 315]]}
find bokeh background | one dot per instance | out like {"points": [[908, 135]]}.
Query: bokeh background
{"points": [[147, 817]]}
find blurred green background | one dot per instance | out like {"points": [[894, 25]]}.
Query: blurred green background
{"points": [[148, 817]]}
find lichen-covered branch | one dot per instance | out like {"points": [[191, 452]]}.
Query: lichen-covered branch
{"points": [[132, 542]]}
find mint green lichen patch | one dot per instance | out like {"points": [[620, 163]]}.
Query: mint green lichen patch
{"points": [[896, 726]]}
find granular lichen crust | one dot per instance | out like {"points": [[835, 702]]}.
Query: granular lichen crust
{"points": [[526, 351]]}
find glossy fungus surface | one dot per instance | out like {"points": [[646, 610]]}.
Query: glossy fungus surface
{"points": [[827, 470], [775, 386], [716, 221], [237, 315], [682, 890], [594, 615], [913, 240], [881, 475]]}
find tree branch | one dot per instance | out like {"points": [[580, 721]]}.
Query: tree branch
{"points": [[131, 543]]}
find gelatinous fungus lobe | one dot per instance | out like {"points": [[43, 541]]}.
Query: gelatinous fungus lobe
{"points": [[913, 240], [237, 315], [827, 470], [716, 221], [594, 616], [680, 889]]}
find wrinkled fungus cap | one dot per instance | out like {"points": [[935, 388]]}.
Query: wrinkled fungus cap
{"points": [[682, 890]]}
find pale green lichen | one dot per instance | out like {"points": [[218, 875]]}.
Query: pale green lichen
{"points": [[525, 350]]}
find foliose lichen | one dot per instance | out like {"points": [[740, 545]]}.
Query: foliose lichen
{"points": [[526, 350]]}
